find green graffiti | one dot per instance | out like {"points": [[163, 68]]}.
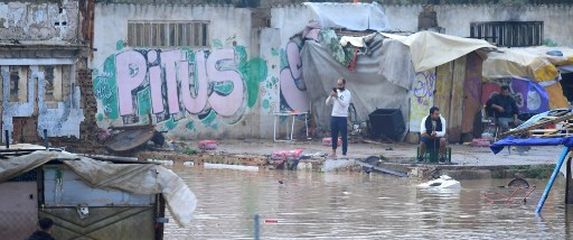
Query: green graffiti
{"points": [[550, 43], [284, 59], [210, 120], [254, 71], [217, 43], [105, 89], [99, 117], [223, 88], [144, 101], [190, 54], [171, 123], [119, 45], [266, 104], [190, 125], [275, 52]]}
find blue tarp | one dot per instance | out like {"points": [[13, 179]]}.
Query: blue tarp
{"points": [[513, 141]]}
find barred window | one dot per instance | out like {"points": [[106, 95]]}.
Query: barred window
{"points": [[167, 34], [509, 33]]}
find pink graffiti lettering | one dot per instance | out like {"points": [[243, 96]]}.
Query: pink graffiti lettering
{"points": [[181, 84], [131, 72], [225, 105], [295, 97]]}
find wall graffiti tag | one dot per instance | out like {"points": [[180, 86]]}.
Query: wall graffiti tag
{"points": [[177, 83], [292, 87], [423, 97]]}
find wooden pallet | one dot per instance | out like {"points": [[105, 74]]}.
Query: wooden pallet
{"points": [[566, 119]]}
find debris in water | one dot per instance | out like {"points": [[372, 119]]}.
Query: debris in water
{"points": [[444, 182]]}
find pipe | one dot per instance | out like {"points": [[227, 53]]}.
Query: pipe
{"points": [[7, 138], [554, 175], [46, 138], [257, 226]]}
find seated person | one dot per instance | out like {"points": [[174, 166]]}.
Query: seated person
{"points": [[433, 132], [503, 109]]}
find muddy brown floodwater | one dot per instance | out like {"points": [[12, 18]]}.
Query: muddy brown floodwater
{"points": [[310, 205]]}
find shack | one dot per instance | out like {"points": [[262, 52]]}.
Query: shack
{"points": [[87, 198]]}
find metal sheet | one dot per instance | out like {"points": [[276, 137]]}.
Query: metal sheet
{"points": [[130, 139], [62, 187], [137, 223], [18, 209]]}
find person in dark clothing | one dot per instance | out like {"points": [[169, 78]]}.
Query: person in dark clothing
{"points": [[45, 228], [503, 109]]}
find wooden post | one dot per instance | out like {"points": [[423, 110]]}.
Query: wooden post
{"points": [[569, 183]]}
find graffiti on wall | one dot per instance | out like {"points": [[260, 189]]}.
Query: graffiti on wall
{"points": [[529, 96], [292, 87], [173, 84], [423, 97]]}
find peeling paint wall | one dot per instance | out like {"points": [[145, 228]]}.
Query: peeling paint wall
{"points": [[61, 120], [47, 21], [37, 38]]}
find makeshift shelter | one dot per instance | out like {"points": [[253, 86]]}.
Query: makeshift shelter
{"points": [[397, 72], [537, 64], [88, 198]]}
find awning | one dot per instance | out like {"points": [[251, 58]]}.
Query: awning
{"points": [[431, 49]]}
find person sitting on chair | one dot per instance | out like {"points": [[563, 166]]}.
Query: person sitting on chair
{"points": [[503, 109], [433, 132]]}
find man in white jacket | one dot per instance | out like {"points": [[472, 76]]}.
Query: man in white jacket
{"points": [[340, 98], [433, 132]]}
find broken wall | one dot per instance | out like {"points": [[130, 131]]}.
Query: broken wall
{"points": [[39, 20]]}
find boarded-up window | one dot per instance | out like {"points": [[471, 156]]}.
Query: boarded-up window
{"points": [[167, 34], [18, 83], [509, 33], [52, 83]]}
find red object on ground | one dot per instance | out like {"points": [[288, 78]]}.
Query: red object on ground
{"points": [[328, 141], [208, 144], [287, 154], [267, 221], [481, 142]]}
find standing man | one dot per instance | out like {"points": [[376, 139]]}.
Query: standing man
{"points": [[340, 98], [44, 230], [433, 130], [504, 109]]}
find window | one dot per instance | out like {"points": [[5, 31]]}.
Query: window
{"points": [[54, 82], [509, 33], [167, 34], [18, 83]]}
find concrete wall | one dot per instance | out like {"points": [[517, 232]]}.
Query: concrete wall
{"points": [[456, 19], [46, 21], [216, 91]]}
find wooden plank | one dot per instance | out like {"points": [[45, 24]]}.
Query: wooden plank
{"points": [[442, 96], [457, 100], [472, 93]]}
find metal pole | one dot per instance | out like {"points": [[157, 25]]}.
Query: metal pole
{"points": [[554, 175], [257, 227], [7, 138], [46, 138]]}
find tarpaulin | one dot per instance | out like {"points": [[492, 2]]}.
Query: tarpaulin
{"points": [[537, 63], [512, 141], [133, 178], [431, 49], [352, 16], [381, 79]]}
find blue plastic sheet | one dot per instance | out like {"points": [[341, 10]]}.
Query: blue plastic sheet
{"points": [[513, 141]]}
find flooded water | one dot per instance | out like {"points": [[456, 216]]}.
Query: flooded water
{"points": [[309, 205]]}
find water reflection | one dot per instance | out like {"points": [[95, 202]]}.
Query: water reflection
{"points": [[357, 206]]}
